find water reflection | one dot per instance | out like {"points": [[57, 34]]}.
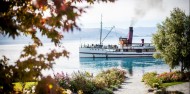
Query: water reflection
{"points": [[126, 63]]}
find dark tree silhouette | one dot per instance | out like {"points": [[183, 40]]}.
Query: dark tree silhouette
{"points": [[27, 17]]}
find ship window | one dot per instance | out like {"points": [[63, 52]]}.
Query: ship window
{"points": [[125, 50], [117, 50], [152, 50], [131, 50], [138, 50], [145, 50]]}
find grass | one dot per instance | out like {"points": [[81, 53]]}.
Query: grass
{"points": [[171, 84], [18, 85]]}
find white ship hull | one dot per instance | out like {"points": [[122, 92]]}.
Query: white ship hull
{"points": [[105, 53]]}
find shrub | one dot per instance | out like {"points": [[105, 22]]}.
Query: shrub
{"points": [[103, 91], [164, 77], [63, 80], [148, 75], [108, 90], [82, 81], [112, 77], [153, 82], [120, 74], [171, 76], [151, 79], [100, 82], [177, 76], [114, 87]]}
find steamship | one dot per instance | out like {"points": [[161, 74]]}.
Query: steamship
{"points": [[125, 48]]}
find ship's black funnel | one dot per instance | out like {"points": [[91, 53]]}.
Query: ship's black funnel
{"points": [[130, 37]]}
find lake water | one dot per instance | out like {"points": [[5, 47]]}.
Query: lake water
{"points": [[134, 66]]}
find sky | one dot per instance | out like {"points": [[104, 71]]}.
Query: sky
{"points": [[125, 13]]}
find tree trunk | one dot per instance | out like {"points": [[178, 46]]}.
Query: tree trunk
{"points": [[182, 66]]}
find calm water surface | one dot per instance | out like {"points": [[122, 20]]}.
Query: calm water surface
{"points": [[134, 66]]}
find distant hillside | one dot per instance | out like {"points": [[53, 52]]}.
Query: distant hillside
{"points": [[144, 31], [86, 34], [94, 33]]}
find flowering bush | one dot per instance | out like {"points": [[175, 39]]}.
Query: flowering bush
{"points": [[165, 77], [112, 77], [63, 80], [177, 76], [171, 76], [148, 75], [155, 80], [151, 79], [100, 82], [121, 74], [82, 81], [103, 83]]}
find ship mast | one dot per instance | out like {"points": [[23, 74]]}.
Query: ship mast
{"points": [[101, 31]]}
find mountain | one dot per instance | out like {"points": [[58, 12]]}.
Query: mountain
{"points": [[94, 33], [144, 31], [86, 34]]}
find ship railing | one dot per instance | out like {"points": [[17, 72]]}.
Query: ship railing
{"points": [[99, 46], [139, 45], [147, 45], [91, 46]]}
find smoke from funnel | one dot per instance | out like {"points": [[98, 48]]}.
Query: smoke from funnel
{"points": [[143, 6]]}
